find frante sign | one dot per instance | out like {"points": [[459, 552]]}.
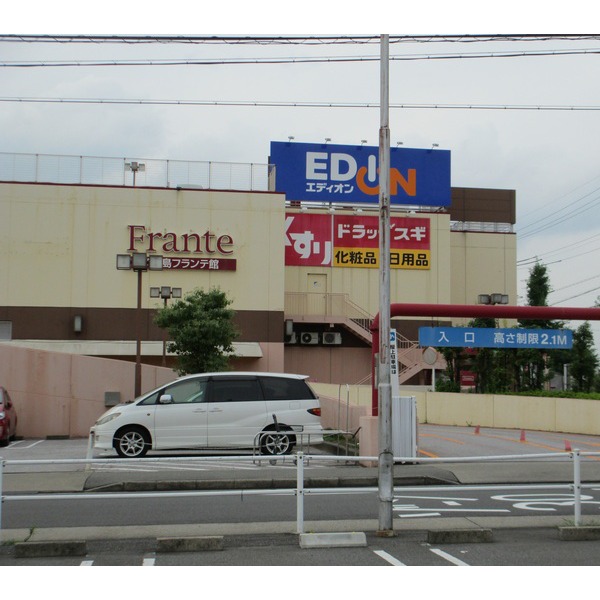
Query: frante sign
{"points": [[350, 174], [187, 251], [482, 337]]}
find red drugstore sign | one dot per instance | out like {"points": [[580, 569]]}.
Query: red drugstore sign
{"points": [[353, 241]]}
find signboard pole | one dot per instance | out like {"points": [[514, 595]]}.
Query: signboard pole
{"points": [[386, 456]]}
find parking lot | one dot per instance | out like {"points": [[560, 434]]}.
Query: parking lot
{"points": [[435, 441]]}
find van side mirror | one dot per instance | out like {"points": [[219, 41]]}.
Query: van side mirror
{"points": [[166, 399]]}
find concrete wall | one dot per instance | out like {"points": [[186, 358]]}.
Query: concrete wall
{"points": [[565, 415], [63, 394]]}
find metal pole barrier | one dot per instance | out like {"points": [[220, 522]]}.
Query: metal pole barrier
{"points": [[90, 451], [300, 492], [1, 489], [577, 485]]}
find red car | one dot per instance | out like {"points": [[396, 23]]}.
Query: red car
{"points": [[8, 418]]}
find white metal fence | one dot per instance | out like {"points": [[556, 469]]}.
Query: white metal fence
{"points": [[93, 170], [300, 491]]}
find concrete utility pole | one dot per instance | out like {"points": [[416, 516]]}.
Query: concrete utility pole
{"points": [[386, 456]]}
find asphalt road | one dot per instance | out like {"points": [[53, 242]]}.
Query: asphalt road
{"points": [[512, 545]]}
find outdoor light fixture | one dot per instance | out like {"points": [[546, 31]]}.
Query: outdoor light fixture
{"points": [[492, 298], [134, 166], [77, 323], [165, 292], [139, 261]]}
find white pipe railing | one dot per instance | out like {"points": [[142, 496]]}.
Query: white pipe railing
{"points": [[301, 459]]}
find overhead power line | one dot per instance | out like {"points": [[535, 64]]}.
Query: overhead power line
{"points": [[289, 60], [286, 40], [292, 104]]}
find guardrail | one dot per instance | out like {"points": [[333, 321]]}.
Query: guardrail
{"points": [[300, 491]]}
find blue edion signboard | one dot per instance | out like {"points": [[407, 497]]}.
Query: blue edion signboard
{"points": [[349, 174], [482, 337]]}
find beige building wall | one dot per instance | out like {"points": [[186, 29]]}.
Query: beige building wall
{"points": [[59, 244], [362, 284], [483, 263]]}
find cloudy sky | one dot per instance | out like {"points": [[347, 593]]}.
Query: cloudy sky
{"points": [[533, 124]]}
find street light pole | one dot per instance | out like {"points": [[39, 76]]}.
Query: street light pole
{"points": [[138, 337], [139, 262], [165, 292], [386, 455]]}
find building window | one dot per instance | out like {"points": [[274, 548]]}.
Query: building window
{"points": [[5, 330]]}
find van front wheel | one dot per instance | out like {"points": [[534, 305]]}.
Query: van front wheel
{"points": [[131, 442], [276, 443]]}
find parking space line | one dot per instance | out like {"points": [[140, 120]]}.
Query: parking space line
{"points": [[449, 557], [26, 447], [389, 558], [149, 562], [86, 563]]}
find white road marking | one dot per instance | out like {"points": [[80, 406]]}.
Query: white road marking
{"points": [[449, 558], [148, 562], [13, 444], [389, 558], [86, 563]]}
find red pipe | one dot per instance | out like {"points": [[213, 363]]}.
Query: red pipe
{"points": [[496, 311]]}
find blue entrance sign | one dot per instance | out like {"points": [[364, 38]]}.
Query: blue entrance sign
{"points": [[349, 174], [482, 337]]}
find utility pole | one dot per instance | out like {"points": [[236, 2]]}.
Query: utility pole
{"points": [[386, 456]]}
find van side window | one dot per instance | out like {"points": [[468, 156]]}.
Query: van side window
{"points": [[192, 390], [235, 390], [284, 388], [152, 399]]}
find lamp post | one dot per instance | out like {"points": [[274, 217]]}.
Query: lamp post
{"points": [[165, 292], [139, 262], [134, 166]]}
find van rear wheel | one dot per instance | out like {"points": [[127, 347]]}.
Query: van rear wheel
{"points": [[276, 443], [131, 442]]}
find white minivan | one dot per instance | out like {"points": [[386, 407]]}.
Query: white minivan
{"points": [[266, 411]]}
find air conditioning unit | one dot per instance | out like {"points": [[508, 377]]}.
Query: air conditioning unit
{"points": [[309, 337], [332, 338], [291, 339]]}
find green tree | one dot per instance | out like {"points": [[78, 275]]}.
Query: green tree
{"points": [[533, 367], [202, 331], [584, 360]]}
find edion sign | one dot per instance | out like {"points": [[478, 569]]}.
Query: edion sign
{"points": [[350, 174]]}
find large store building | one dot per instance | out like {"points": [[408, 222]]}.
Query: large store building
{"points": [[301, 270]]}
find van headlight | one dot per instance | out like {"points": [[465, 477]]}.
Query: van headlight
{"points": [[107, 419]]}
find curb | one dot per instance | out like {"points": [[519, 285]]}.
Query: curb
{"points": [[581, 533], [245, 484], [333, 540], [459, 536], [37, 549], [189, 544]]}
